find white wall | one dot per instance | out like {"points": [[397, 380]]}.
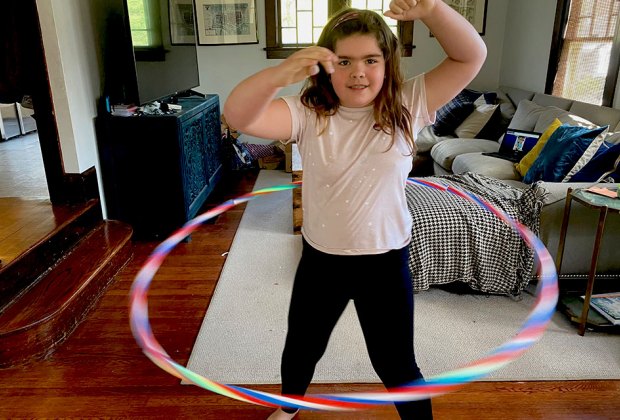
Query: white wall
{"points": [[527, 42], [222, 67], [68, 40]]}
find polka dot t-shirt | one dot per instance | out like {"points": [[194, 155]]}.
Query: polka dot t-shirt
{"points": [[353, 193]]}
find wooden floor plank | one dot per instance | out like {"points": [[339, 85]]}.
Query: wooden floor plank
{"points": [[28, 221], [100, 372]]}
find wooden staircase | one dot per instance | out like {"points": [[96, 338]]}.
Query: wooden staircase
{"points": [[56, 262]]}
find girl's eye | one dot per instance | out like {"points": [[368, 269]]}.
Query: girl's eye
{"points": [[371, 61], [343, 62]]}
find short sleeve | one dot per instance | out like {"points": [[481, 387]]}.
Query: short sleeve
{"points": [[415, 101], [298, 112]]}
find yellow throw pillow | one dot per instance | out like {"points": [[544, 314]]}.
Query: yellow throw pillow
{"points": [[526, 163]]}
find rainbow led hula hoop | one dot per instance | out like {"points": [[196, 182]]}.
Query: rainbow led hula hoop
{"points": [[530, 332]]}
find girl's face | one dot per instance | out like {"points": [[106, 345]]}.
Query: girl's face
{"points": [[359, 70]]}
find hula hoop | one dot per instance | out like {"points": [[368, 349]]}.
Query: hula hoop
{"points": [[530, 332]]}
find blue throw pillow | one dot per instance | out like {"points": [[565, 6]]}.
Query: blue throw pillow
{"points": [[604, 160], [452, 114], [561, 152]]}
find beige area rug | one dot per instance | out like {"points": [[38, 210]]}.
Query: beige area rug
{"points": [[242, 336]]}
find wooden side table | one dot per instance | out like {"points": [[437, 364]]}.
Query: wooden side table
{"points": [[297, 175], [604, 205]]}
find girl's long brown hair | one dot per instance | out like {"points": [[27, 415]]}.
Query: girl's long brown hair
{"points": [[389, 112]]}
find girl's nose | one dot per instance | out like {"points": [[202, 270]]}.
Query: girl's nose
{"points": [[357, 72]]}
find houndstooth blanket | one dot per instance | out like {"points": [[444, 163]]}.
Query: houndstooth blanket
{"points": [[454, 239]]}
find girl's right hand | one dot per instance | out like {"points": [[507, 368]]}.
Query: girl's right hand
{"points": [[302, 64]]}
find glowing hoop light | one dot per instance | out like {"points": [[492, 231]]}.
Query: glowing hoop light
{"points": [[529, 333]]}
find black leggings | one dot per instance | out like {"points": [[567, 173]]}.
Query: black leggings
{"points": [[381, 288]]}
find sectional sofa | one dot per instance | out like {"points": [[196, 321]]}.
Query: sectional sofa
{"points": [[532, 111]]}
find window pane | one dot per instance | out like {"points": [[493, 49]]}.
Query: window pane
{"points": [[304, 4], [304, 27], [309, 22], [587, 70], [289, 13], [584, 60], [584, 27], [376, 5], [317, 35], [320, 12], [145, 23], [289, 36]]}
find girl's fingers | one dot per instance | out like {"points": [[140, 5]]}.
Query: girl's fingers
{"points": [[313, 70], [328, 65]]}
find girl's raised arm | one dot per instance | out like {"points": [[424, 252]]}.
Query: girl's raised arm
{"points": [[252, 106], [465, 49]]}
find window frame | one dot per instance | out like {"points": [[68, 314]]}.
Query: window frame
{"points": [[276, 50], [557, 44]]}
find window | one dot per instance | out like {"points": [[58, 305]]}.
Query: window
{"points": [[145, 21], [294, 24], [584, 59]]}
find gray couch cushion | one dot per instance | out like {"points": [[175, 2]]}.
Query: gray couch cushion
{"points": [[485, 165], [506, 107], [443, 153], [531, 116], [543, 99], [599, 115], [516, 95], [527, 115]]}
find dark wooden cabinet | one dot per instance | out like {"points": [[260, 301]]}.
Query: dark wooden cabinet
{"points": [[158, 170]]}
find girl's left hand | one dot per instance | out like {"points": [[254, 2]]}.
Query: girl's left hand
{"points": [[410, 9]]}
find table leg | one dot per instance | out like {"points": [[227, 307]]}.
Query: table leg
{"points": [[297, 206], [562, 241], [597, 247]]}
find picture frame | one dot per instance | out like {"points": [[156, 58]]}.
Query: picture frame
{"points": [[475, 11], [225, 22], [182, 22]]}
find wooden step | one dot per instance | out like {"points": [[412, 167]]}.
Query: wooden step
{"points": [[35, 323], [34, 235]]}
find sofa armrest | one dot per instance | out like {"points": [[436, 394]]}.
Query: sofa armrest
{"points": [[444, 153], [426, 139]]}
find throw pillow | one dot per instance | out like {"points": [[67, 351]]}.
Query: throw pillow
{"points": [[559, 155], [451, 116], [604, 163], [495, 127], [488, 97], [526, 162], [587, 155], [475, 122], [526, 116]]}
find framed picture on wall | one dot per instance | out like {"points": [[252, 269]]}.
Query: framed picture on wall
{"points": [[475, 11], [222, 22], [182, 27]]}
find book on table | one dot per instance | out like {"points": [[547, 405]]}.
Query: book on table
{"points": [[608, 305]]}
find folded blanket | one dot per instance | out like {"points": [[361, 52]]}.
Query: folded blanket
{"points": [[454, 239]]}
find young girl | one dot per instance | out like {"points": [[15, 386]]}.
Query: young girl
{"points": [[355, 124]]}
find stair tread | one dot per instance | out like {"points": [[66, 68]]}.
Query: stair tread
{"points": [[61, 284], [29, 222]]}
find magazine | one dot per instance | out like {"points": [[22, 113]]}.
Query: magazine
{"points": [[608, 305]]}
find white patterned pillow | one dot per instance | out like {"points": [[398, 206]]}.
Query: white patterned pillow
{"points": [[475, 122]]}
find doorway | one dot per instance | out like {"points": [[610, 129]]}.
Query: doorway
{"points": [[23, 71]]}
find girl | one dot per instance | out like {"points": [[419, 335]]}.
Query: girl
{"points": [[355, 124]]}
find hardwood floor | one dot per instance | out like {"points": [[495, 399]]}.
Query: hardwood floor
{"points": [[100, 372], [21, 168]]}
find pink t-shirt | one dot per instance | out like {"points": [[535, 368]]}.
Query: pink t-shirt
{"points": [[353, 193]]}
